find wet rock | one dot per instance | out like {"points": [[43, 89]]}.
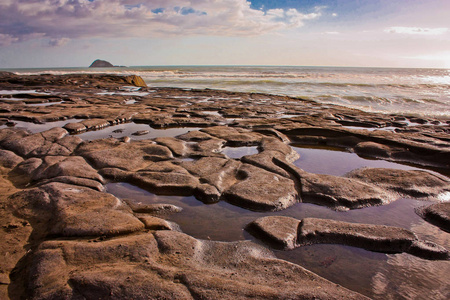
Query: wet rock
{"points": [[288, 233], [171, 265], [161, 183], [258, 189], [75, 127], [235, 137], [265, 159], [154, 223], [209, 147], [11, 135], [195, 136], [437, 214], [57, 166], [408, 182], [141, 132], [9, 159], [70, 210], [372, 149], [218, 172], [280, 232], [154, 209], [95, 124], [89, 183], [135, 80], [178, 147], [27, 144], [63, 146]]}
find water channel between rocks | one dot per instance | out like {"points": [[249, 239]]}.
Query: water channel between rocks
{"points": [[377, 275]]}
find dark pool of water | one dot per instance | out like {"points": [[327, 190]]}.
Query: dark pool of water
{"points": [[378, 275], [238, 152]]}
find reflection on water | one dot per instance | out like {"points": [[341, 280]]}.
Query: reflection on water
{"points": [[335, 162], [373, 274], [127, 129], [35, 128], [238, 152]]}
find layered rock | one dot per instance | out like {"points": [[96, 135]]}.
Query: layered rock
{"points": [[171, 265], [289, 233]]}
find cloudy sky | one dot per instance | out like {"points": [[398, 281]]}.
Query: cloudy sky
{"points": [[73, 33]]}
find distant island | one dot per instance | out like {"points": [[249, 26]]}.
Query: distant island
{"points": [[98, 63]]}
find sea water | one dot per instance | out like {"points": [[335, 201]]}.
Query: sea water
{"points": [[420, 92]]}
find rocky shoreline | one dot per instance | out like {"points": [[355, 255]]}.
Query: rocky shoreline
{"points": [[65, 237]]}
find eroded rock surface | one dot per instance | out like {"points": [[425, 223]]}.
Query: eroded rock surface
{"points": [[438, 214], [289, 233], [170, 265]]}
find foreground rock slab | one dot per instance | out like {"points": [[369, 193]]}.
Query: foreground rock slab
{"points": [[170, 265], [289, 233], [59, 209]]}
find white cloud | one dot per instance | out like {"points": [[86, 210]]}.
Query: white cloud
{"points": [[59, 20], [417, 30]]}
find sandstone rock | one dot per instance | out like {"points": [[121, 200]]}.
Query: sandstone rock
{"points": [[195, 136], [56, 166], [178, 147], [60, 209], [408, 182], [27, 144], [288, 233], [140, 132], [154, 209], [235, 137], [437, 214], [89, 183], [111, 153], [75, 127], [280, 232], [154, 223], [64, 146], [218, 172], [265, 159], [372, 149], [135, 80], [258, 189], [171, 265], [9, 159]]}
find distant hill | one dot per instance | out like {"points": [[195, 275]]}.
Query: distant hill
{"points": [[98, 63]]}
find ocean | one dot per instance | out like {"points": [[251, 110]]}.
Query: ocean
{"points": [[420, 92]]}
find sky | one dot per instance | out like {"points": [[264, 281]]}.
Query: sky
{"points": [[357, 33]]}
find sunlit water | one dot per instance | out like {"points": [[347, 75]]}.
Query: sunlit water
{"points": [[411, 91]]}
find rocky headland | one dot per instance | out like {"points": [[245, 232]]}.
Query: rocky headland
{"points": [[64, 236]]}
